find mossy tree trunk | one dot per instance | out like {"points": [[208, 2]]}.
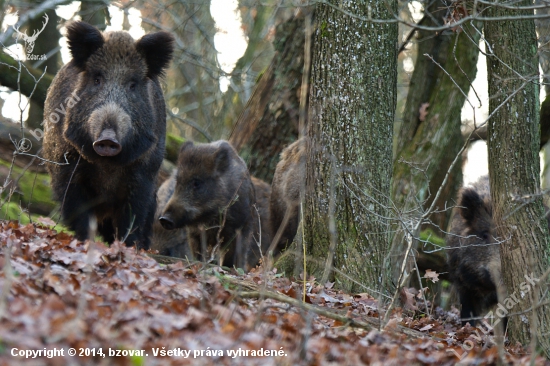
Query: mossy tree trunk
{"points": [[349, 165], [514, 171], [427, 142], [269, 121]]}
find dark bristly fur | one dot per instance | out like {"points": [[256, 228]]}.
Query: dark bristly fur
{"points": [[174, 243], [116, 81], [473, 255], [473, 252], [288, 182], [212, 182]]}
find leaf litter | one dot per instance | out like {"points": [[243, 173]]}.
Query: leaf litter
{"points": [[58, 293]]}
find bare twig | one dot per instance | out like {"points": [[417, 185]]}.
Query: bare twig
{"points": [[368, 324]]}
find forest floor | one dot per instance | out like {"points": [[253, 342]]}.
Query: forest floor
{"points": [[113, 306]]}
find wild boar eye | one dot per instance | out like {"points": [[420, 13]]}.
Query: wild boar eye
{"points": [[197, 183], [132, 86], [97, 81]]}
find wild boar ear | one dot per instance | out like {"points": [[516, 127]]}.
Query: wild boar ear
{"points": [[223, 157], [156, 49], [471, 204], [186, 145], [84, 39]]}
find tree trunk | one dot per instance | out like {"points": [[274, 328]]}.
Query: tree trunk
{"points": [[429, 138], [543, 30], [192, 81], [513, 144], [352, 107], [269, 121], [251, 63]]}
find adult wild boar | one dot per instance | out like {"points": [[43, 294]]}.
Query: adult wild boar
{"points": [[110, 128]]}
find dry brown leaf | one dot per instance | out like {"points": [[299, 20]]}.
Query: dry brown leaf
{"points": [[431, 275]]}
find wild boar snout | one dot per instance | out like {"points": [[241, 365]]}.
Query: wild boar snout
{"points": [[107, 143], [108, 126]]}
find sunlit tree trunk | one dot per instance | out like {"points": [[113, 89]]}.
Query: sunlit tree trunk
{"points": [[513, 144], [351, 114]]}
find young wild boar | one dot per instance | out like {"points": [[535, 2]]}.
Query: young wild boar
{"points": [[105, 114], [213, 194], [473, 252], [473, 255], [174, 243], [288, 183]]}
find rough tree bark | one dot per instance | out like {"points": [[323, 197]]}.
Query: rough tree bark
{"points": [[543, 32], [269, 121], [514, 171], [427, 142], [349, 166]]}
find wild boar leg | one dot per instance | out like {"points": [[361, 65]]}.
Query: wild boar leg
{"points": [[77, 220], [135, 219]]}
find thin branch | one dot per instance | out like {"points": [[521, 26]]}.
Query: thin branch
{"points": [[368, 324]]}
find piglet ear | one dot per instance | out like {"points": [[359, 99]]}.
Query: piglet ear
{"points": [[223, 156], [156, 49], [84, 39], [471, 204], [186, 145]]}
